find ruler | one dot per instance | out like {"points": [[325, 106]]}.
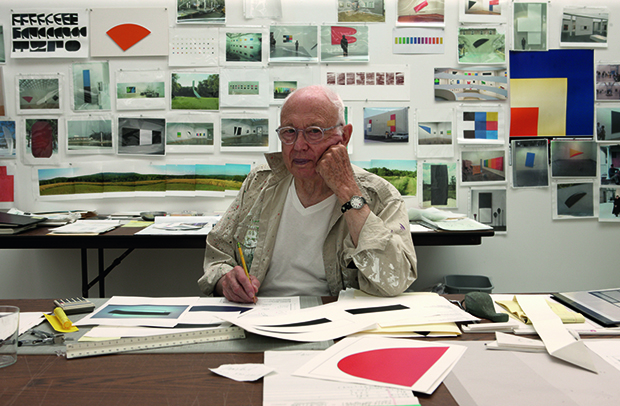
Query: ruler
{"points": [[93, 348]]}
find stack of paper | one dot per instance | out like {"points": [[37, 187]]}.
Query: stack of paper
{"points": [[181, 225], [16, 223], [426, 328], [353, 315], [86, 227], [513, 343]]}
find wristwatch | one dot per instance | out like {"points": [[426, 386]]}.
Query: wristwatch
{"points": [[356, 202]]}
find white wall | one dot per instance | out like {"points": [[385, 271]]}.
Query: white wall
{"points": [[536, 254]]}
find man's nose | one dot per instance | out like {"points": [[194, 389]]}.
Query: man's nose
{"points": [[300, 142]]}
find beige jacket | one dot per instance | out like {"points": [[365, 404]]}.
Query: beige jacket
{"points": [[383, 263]]}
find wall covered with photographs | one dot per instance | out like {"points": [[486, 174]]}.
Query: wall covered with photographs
{"points": [[506, 111]]}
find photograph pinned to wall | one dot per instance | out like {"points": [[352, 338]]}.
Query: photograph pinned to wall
{"points": [[483, 166], [195, 91], [354, 11], [30, 33], [83, 181], [420, 12], [435, 135], [181, 180], [386, 124], [197, 12], [607, 82], [41, 138], [39, 94], [471, 84], [480, 124], [283, 88], [141, 136], [285, 80], [91, 86], [607, 123], [488, 206], [573, 159], [380, 82], [609, 204], [150, 180], [482, 45], [141, 90], [191, 47], [550, 93], [418, 40], [293, 43], [244, 88], [530, 26], [401, 173], [483, 11], [439, 185], [220, 179], [90, 135], [7, 139], [191, 133], [3, 109], [54, 183], [117, 182], [2, 49], [340, 43], [585, 27], [262, 9], [245, 133], [572, 200], [129, 32], [7, 185], [95, 180], [243, 47], [530, 163], [609, 162]]}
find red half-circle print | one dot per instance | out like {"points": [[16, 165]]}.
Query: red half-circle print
{"points": [[127, 35], [398, 366]]}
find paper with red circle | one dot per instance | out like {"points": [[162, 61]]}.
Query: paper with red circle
{"points": [[397, 366], [408, 364]]}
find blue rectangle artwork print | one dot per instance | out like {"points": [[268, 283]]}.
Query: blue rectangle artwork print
{"points": [[529, 159]]}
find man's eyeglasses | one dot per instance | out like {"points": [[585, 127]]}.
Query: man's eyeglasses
{"points": [[312, 134]]}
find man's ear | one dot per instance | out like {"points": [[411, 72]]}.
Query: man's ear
{"points": [[347, 130]]}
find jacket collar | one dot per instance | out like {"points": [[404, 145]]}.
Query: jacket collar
{"points": [[276, 164]]}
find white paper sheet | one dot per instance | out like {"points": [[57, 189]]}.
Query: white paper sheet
{"points": [[559, 341], [242, 372], [281, 388], [535, 379], [28, 320], [609, 350], [157, 312], [327, 365]]}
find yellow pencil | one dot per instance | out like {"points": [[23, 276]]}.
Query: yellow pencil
{"points": [[245, 267]]}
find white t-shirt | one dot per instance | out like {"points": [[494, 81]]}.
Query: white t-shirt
{"points": [[296, 267]]}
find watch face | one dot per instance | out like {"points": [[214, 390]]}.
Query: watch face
{"points": [[357, 202]]}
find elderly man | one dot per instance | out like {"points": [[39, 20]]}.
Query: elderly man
{"points": [[309, 222]]}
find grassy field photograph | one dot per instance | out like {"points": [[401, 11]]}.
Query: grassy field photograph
{"points": [[195, 91]]}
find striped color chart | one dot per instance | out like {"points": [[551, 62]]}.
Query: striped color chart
{"points": [[418, 40]]}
